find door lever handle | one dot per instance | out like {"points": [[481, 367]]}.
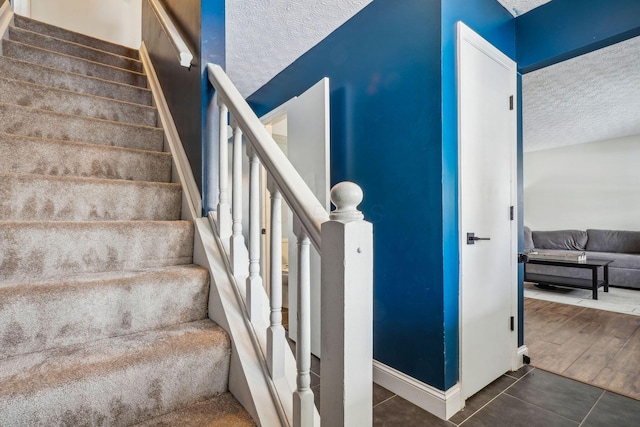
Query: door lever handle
{"points": [[471, 238]]}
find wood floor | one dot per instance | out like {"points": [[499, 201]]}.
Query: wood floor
{"points": [[597, 347]]}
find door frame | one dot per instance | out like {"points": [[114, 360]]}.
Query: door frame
{"points": [[466, 34]]}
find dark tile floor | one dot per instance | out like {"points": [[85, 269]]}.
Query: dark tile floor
{"points": [[529, 397]]}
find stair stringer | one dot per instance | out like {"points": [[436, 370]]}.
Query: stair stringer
{"points": [[247, 379]]}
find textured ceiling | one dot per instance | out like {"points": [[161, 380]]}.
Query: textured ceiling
{"points": [[589, 98], [518, 7], [265, 36]]}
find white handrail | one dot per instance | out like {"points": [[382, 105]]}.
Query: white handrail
{"points": [[184, 53], [299, 196]]}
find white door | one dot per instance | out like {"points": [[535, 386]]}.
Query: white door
{"points": [[487, 186], [307, 147], [308, 136]]}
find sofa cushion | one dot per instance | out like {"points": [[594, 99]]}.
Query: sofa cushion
{"points": [[614, 241], [560, 239], [528, 240]]}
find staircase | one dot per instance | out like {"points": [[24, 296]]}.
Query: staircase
{"points": [[103, 316]]}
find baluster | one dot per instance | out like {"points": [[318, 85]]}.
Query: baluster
{"points": [[254, 281], [303, 405], [276, 341], [238, 251], [224, 213]]}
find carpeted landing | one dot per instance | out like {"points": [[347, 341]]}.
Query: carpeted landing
{"points": [[103, 316]]}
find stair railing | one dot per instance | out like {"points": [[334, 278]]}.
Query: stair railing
{"points": [[184, 53], [344, 241]]}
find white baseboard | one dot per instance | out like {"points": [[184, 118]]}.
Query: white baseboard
{"points": [[518, 362], [191, 199], [442, 404]]}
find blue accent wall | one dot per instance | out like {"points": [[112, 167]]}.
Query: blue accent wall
{"points": [[384, 70], [489, 19], [563, 29], [394, 132]]}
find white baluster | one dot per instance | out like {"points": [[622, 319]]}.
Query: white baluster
{"points": [[224, 212], [238, 249], [303, 405], [347, 312], [276, 341], [254, 281]]}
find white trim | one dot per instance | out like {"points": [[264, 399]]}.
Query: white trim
{"points": [[442, 404], [22, 7], [6, 16], [518, 359], [277, 112], [191, 198], [183, 51]]}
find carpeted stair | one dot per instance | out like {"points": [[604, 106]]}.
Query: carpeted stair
{"points": [[103, 316]]}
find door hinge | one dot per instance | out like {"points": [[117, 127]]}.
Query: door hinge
{"points": [[513, 323], [511, 103], [511, 213]]}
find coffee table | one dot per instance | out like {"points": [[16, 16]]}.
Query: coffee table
{"points": [[572, 282]]}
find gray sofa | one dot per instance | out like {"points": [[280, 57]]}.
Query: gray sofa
{"points": [[623, 247]]}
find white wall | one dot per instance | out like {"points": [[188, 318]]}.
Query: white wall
{"points": [[594, 185], [117, 21], [265, 36]]}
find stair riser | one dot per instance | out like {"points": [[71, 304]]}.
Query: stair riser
{"points": [[41, 198], [59, 33], [39, 317], [20, 70], [32, 251], [42, 124], [119, 392], [73, 49], [65, 158], [63, 101], [72, 64]]}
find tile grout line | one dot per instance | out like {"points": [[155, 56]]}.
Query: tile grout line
{"points": [[592, 408], [546, 410], [496, 396], [384, 401]]}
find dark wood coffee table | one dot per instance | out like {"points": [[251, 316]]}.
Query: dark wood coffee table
{"points": [[572, 282]]}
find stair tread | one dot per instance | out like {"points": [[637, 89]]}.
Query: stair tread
{"points": [[221, 411], [28, 121], [116, 381], [65, 34], [59, 365], [31, 155], [74, 247], [61, 61], [66, 101], [44, 314], [74, 280], [69, 47], [54, 77]]}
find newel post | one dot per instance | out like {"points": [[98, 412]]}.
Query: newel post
{"points": [[347, 312]]}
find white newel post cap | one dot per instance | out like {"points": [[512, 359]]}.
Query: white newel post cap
{"points": [[346, 196]]}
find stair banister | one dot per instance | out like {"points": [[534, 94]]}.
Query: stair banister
{"points": [[345, 243], [184, 53], [299, 196]]}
